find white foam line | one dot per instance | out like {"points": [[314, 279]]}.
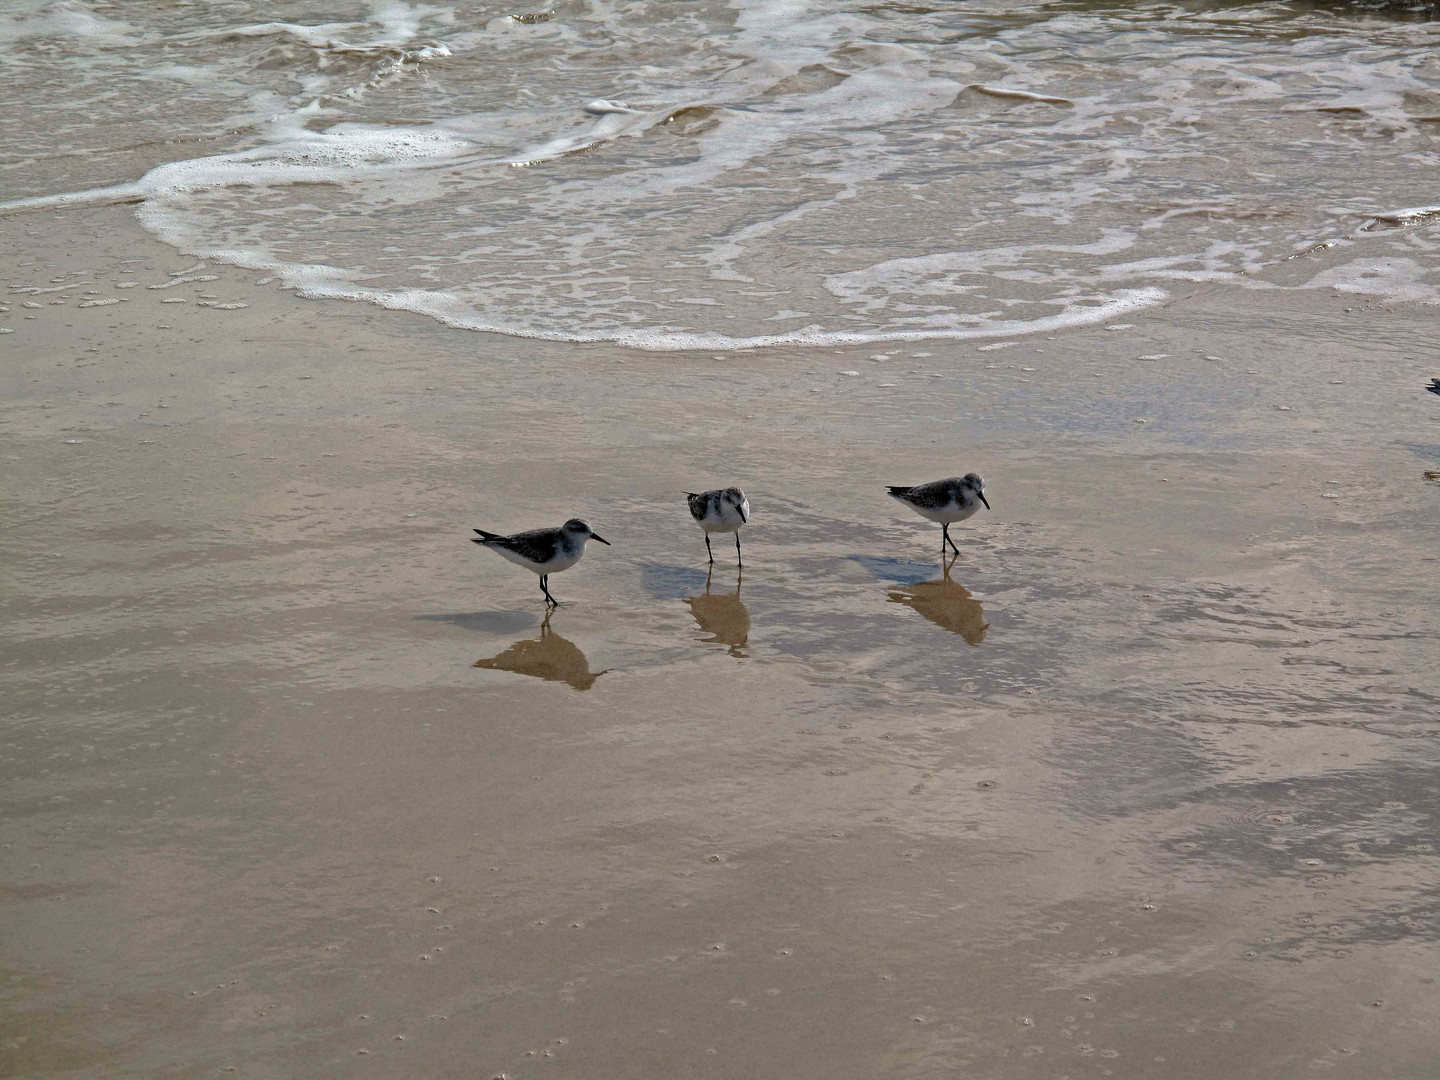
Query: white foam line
{"points": [[119, 193], [1406, 216], [611, 124], [441, 307], [329, 157], [1019, 95]]}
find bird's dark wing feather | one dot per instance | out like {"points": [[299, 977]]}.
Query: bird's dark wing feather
{"points": [[537, 545], [1434, 386], [935, 493]]}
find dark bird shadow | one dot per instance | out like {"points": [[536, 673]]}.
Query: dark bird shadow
{"points": [[722, 616], [947, 604], [667, 581], [889, 568], [549, 657]]}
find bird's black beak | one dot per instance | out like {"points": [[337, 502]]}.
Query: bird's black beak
{"points": [[597, 536], [741, 511], [983, 499]]}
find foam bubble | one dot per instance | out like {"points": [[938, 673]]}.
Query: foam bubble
{"points": [[1388, 276]]}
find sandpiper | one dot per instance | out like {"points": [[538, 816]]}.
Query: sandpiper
{"points": [[946, 501], [721, 510], [543, 551]]}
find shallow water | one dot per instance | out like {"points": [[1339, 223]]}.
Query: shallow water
{"points": [[713, 175], [295, 781]]}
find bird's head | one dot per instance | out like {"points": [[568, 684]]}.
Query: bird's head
{"points": [[973, 482], [581, 530], [736, 498]]}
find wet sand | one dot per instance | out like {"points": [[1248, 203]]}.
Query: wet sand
{"points": [[297, 782]]}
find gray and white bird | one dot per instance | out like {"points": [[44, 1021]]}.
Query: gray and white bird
{"points": [[945, 501], [722, 510], [543, 551]]}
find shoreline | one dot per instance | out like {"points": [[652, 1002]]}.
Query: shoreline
{"points": [[264, 811]]}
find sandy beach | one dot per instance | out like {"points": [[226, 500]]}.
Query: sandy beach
{"points": [[297, 782]]}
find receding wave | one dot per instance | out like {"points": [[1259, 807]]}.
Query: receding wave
{"points": [[809, 177]]}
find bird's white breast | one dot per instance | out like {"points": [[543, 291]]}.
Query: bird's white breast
{"points": [[563, 559], [727, 519], [955, 510]]}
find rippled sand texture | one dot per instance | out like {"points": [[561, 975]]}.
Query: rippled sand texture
{"points": [[296, 782], [709, 175]]}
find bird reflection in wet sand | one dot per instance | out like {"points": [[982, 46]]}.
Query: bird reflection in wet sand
{"points": [[550, 657], [722, 616], [947, 604]]}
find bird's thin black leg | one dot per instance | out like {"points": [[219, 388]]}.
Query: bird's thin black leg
{"points": [[944, 537], [738, 560], [708, 551], [545, 588]]}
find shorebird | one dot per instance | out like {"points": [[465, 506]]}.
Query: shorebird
{"points": [[946, 501], [543, 551], [1434, 386], [721, 510]]}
